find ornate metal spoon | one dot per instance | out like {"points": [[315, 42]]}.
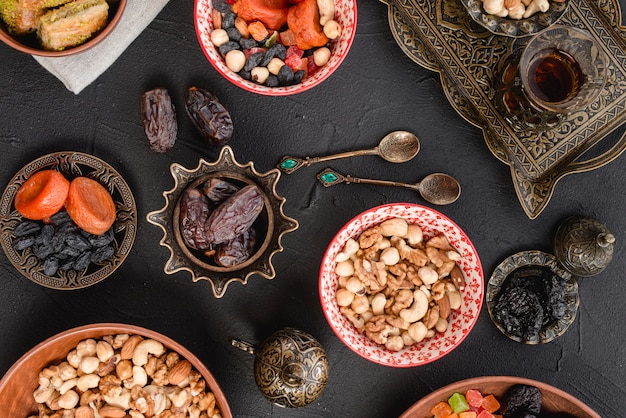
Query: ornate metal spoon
{"points": [[437, 188], [395, 147]]}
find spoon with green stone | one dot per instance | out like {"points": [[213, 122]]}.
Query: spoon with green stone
{"points": [[437, 188], [395, 147]]}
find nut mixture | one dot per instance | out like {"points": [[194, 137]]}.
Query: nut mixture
{"points": [[123, 376], [517, 9], [396, 287]]}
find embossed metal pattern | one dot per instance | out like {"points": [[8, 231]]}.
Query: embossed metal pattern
{"points": [[534, 258], [291, 368], [72, 164], [278, 224], [467, 56]]}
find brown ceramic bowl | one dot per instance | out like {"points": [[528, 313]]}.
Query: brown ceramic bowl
{"points": [[30, 44], [19, 383], [554, 400], [270, 225]]}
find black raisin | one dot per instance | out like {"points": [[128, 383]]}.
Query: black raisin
{"points": [[298, 76], [47, 232], [77, 241], [245, 74], [222, 6], [50, 266], [101, 240], [228, 20], [228, 46], [285, 75], [233, 34], [272, 81], [60, 217], [102, 253], [253, 61], [26, 228], [248, 43], [42, 251], [21, 243], [274, 51], [82, 261]]}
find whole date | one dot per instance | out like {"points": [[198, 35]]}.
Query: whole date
{"points": [[234, 216], [158, 118], [194, 211], [209, 116]]}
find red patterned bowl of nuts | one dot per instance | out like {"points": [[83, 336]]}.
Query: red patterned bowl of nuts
{"points": [[401, 285], [276, 51], [110, 370]]}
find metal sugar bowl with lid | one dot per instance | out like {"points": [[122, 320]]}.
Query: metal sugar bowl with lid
{"points": [[290, 367], [583, 246]]}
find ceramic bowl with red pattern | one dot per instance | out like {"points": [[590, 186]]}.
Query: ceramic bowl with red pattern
{"points": [[460, 321], [345, 15]]}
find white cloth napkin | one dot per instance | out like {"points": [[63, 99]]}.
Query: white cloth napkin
{"points": [[80, 70]]}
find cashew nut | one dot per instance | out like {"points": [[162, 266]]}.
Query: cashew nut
{"points": [[149, 346], [326, 9], [536, 6], [417, 310]]}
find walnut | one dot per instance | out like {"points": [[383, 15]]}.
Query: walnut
{"points": [[402, 300], [415, 256], [370, 236], [110, 385], [378, 329], [440, 242], [397, 322]]}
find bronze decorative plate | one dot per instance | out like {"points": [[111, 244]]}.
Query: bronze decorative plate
{"points": [[540, 259], [272, 222], [71, 164], [507, 26]]}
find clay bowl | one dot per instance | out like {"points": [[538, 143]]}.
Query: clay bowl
{"points": [[460, 322], [21, 380], [29, 44], [345, 15], [554, 400], [270, 226]]}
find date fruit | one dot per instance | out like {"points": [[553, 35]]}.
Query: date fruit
{"points": [[209, 116], [194, 211], [234, 216], [158, 118], [218, 190], [237, 250]]}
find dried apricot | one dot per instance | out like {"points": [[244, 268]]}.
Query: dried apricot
{"points": [[90, 205], [42, 195]]}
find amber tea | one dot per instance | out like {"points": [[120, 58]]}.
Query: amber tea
{"points": [[563, 69], [554, 76]]}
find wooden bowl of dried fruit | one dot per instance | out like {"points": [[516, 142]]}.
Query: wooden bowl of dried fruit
{"points": [[96, 351], [548, 399], [222, 221], [41, 28]]}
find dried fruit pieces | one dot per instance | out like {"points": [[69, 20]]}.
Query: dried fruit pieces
{"points": [[158, 117], [234, 216], [209, 116]]}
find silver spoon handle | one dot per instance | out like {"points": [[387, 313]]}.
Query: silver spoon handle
{"points": [[330, 177], [289, 164]]}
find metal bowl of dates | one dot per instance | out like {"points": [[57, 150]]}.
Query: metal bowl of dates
{"points": [[67, 29], [554, 401], [222, 221], [82, 259], [531, 298], [516, 28]]}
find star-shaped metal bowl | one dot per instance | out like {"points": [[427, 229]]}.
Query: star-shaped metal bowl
{"points": [[271, 224]]}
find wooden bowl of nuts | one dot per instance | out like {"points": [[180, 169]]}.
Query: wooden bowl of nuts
{"points": [[264, 53], [401, 285], [515, 18], [203, 236], [95, 367], [36, 29]]}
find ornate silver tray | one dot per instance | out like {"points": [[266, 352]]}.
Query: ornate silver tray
{"points": [[441, 36]]}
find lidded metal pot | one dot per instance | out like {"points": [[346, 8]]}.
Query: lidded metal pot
{"points": [[290, 367], [583, 245]]}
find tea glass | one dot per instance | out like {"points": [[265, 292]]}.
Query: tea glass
{"points": [[563, 69]]}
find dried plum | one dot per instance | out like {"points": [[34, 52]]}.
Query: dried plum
{"points": [[522, 401], [209, 116], [531, 298], [158, 118]]}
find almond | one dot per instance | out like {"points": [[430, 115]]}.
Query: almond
{"points": [[444, 306], [179, 372], [129, 347], [109, 411]]}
